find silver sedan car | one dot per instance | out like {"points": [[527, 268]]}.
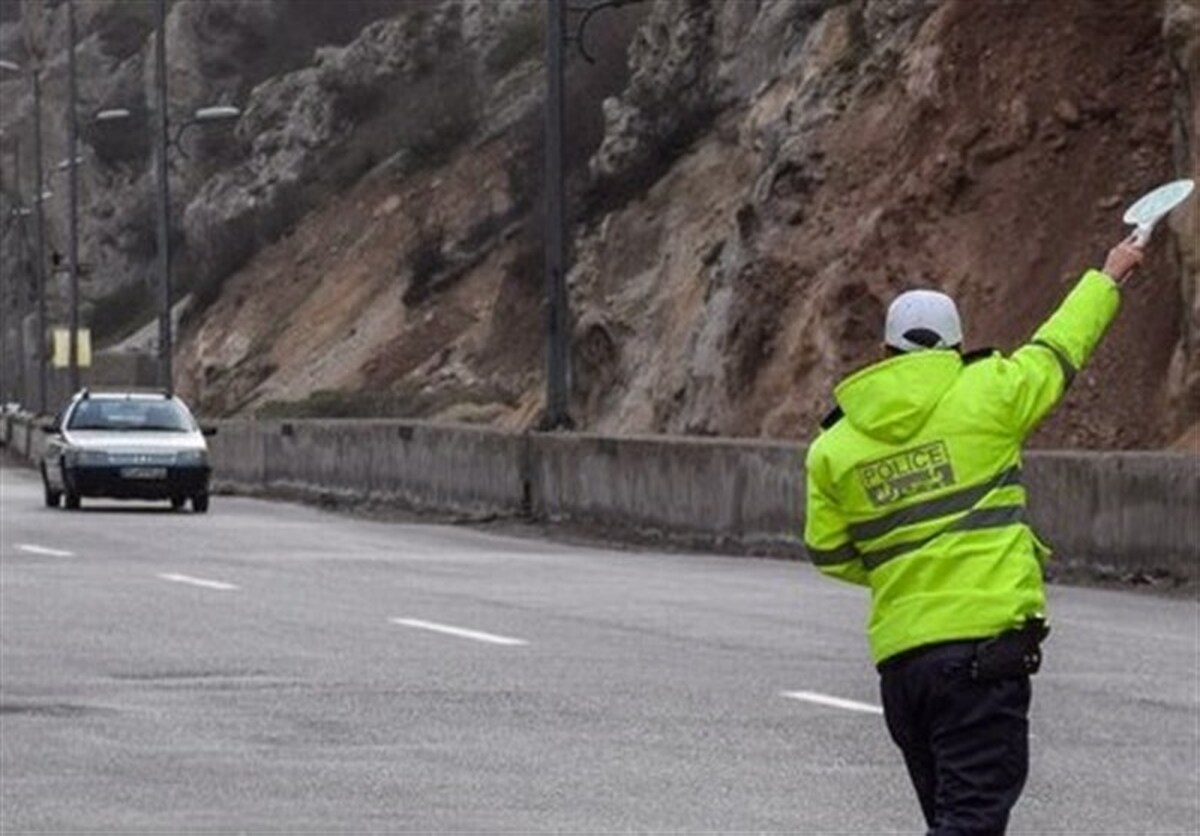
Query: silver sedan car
{"points": [[126, 445]]}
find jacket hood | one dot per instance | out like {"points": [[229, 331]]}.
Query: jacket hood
{"points": [[892, 400]]}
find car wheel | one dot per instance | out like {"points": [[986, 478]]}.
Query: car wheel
{"points": [[200, 503], [177, 502], [71, 501], [52, 496]]}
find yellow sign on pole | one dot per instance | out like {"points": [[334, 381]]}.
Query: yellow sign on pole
{"points": [[84, 346], [61, 355]]}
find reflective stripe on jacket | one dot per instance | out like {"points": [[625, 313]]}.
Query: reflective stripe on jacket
{"points": [[916, 490]]}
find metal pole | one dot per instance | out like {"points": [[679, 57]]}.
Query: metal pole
{"points": [[5, 325], [39, 275], [5, 317], [164, 202], [557, 352], [73, 180], [21, 294]]}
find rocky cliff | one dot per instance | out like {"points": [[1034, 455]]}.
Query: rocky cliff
{"points": [[751, 182], [218, 51]]}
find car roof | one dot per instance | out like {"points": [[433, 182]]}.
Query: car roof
{"points": [[132, 395], [142, 396], [125, 396]]}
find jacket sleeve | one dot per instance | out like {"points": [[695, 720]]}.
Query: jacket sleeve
{"points": [[825, 532], [1042, 369]]}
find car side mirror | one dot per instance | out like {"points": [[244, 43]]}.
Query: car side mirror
{"points": [[50, 429], [208, 432]]}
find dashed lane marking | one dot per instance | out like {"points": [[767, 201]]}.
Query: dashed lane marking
{"points": [[32, 549], [206, 584], [833, 702], [461, 633]]}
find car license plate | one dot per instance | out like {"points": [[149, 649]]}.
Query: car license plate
{"points": [[143, 473]]}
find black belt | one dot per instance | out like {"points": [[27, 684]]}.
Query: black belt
{"points": [[1009, 654], [900, 659]]}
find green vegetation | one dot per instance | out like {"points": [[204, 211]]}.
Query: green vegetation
{"points": [[521, 39]]}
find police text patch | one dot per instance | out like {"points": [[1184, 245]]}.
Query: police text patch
{"points": [[909, 473]]}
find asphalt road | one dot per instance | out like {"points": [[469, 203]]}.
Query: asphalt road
{"points": [[272, 668]]}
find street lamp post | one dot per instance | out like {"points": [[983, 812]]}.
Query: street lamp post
{"points": [[73, 199], [165, 342], [557, 317], [163, 143], [71, 163], [17, 392], [40, 353], [20, 298], [40, 222]]}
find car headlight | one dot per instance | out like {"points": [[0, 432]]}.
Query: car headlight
{"points": [[190, 457], [89, 458]]}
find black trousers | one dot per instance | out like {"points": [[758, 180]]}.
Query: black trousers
{"points": [[966, 743]]}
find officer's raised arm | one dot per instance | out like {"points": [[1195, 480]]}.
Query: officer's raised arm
{"points": [[1040, 371]]}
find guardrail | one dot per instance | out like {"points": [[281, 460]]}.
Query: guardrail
{"points": [[1124, 514]]}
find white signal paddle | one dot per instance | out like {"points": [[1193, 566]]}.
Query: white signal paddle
{"points": [[1153, 206]]}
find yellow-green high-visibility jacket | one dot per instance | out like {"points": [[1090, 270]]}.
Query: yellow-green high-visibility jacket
{"points": [[914, 484]]}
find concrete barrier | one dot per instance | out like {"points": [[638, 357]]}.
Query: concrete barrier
{"points": [[456, 469], [1119, 514], [718, 491], [21, 434]]}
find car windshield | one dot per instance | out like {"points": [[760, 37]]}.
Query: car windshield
{"points": [[129, 414]]}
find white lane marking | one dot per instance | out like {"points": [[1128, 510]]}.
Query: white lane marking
{"points": [[833, 702], [457, 631], [197, 582], [32, 549]]}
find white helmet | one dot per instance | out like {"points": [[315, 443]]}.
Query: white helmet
{"points": [[921, 319]]}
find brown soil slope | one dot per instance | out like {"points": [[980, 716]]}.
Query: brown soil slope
{"points": [[996, 167]]}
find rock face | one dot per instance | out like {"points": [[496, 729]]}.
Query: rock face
{"points": [[1181, 29], [751, 183], [218, 50], [672, 94], [399, 117], [312, 132]]}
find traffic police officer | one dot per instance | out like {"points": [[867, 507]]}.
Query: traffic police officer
{"points": [[914, 490]]}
